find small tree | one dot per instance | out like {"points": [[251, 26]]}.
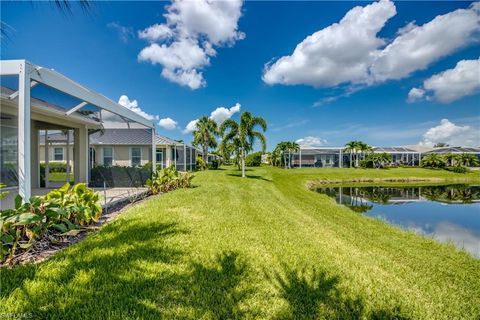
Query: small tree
{"points": [[433, 160], [468, 159], [452, 159], [204, 135], [243, 134]]}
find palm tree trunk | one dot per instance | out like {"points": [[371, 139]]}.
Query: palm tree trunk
{"points": [[243, 163], [350, 159]]}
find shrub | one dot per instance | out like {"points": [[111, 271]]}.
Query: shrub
{"points": [[457, 169], [62, 210], [433, 161], [200, 164], [366, 163], [168, 179], [214, 164], [253, 159]]}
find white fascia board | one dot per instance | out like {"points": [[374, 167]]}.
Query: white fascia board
{"points": [[60, 82], [10, 67]]}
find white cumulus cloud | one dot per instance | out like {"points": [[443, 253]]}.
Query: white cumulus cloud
{"points": [[452, 84], [311, 142], [191, 126], [452, 134], [418, 46], [415, 94], [184, 44], [350, 52], [221, 114], [133, 105], [339, 53], [167, 123]]}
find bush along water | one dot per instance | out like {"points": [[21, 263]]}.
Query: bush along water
{"points": [[169, 179], [61, 211]]}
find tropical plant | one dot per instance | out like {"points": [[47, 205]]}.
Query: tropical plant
{"points": [[62, 210], [432, 160], [204, 135], [275, 157], [378, 160], [244, 135], [291, 146], [169, 179], [254, 159], [200, 164], [452, 159], [351, 148], [468, 159], [3, 194], [282, 149]]}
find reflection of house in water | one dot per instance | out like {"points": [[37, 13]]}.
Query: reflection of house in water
{"points": [[360, 196]]}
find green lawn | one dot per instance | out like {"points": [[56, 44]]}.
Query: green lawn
{"points": [[263, 247], [59, 176]]}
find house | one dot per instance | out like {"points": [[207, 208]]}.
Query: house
{"points": [[36, 100], [337, 157], [124, 147]]}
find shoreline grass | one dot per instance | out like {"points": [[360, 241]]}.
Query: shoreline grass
{"points": [[263, 247]]}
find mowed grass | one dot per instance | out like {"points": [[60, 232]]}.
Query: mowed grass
{"points": [[263, 247]]}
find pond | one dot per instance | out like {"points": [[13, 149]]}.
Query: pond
{"points": [[447, 213]]}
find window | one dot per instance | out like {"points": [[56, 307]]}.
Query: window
{"points": [[136, 156], [107, 156], [159, 155], [58, 154]]}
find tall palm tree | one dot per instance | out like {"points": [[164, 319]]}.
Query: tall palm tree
{"points": [[363, 148], [282, 148], [292, 146], [352, 148], [204, 135], [244, 134]]}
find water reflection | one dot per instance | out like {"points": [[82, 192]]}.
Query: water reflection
{"points": [[448, 213]]}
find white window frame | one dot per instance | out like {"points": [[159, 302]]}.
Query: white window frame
{"points": [[159, 151], [131, 156], [55, 154], [103, 155]]}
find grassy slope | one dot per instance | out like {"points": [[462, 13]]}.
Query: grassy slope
{"points": [[262, 247]]}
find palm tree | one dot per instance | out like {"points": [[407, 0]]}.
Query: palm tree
{"points": [[452, 159], [292, 147], [64, 6], [468, 159], [363, 148], [282, 148], [244, 134], [432, 160], [204, 135], [352, 148], [379, 159]]}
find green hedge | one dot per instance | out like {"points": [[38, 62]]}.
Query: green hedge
{"points": [[253, 159]]}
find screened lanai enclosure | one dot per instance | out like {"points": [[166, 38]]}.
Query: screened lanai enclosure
{"points": [[339, 158], [37, 102]]}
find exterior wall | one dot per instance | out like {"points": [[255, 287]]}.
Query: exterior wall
{"points": [[122, 154], [51, 152]]}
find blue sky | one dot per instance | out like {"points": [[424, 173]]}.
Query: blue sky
{"points": [[101, 50]]}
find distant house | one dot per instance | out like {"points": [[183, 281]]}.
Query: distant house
{"points": [[337, 157], [123, 147]]}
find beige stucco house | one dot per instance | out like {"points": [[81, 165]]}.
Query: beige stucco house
{"points": [[27, 112]]}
